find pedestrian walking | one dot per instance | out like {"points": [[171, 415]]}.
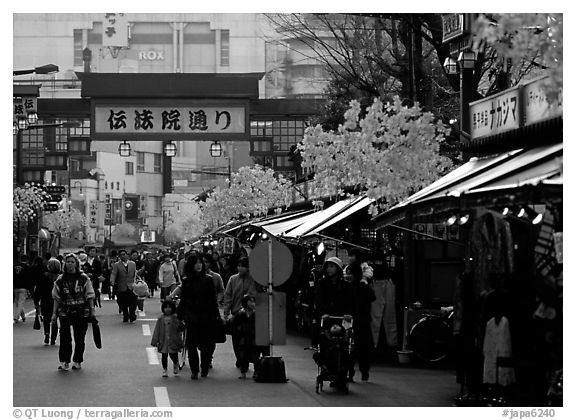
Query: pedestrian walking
{"points": [[360, 274], [334, 295], [105, 288], [93, 268], [22, 285], [149, 272], [123, 275], [43, 300], [238, 286], [167, 337], [74, 305], [199, 311], [168, 277], [244, 326], [218, 288]]}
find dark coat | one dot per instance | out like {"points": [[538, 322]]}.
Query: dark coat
{"points": [[199, 310], [335, 298], [22, 277], [174, 344]]}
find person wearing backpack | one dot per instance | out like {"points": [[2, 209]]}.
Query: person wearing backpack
{"points": [[168, 276]]}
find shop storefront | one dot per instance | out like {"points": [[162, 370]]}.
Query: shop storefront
{"points": [[486, 239]]}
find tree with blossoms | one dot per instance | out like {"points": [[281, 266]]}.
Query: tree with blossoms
{"points": [[185, 225], [27, 202], [65, 222], [390, 153], [252, 192], [532, 43]]}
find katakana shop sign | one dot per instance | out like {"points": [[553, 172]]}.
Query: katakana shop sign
{"points": [[177, 121], [495, 114], [115, 28], [511, 109]]}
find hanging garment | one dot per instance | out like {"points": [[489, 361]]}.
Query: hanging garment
{"points": [[491, 248], [383, 312], [497, 343], [544, 251]]}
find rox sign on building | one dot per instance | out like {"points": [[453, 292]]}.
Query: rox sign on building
{"points": [[170, 120]]}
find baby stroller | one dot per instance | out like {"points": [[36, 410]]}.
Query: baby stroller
{"points": [[334, 351]]}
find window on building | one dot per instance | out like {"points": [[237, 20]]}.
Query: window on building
{"points": [[32, 147], [284, 133], [78, 48], [140, 162], [157, 163], [129, 168], [225, 48], [157, 206]]}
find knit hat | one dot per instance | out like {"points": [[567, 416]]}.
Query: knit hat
{"points": [[334, 260]]}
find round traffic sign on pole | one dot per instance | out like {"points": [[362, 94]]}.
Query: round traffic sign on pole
{"points": [[282, 263]]}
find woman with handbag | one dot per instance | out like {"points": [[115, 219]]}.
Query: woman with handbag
{"points": [[74, 304], [199, 311], [168, 277]]}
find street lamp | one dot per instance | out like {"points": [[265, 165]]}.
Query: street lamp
{"points": [[23, 123], [467, 59], [46, 69], [170, 149], [124, 149], [451, 66], [215, 149]]}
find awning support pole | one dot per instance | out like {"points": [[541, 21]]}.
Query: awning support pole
{"points": [[341, 241]]}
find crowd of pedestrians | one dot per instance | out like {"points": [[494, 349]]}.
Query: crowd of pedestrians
{"points": [[200, 294]]}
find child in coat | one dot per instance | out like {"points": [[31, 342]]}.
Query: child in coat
{"points": [[167, 337], [245, 326]]}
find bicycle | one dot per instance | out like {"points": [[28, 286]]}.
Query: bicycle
{"points": [[431, 337]]}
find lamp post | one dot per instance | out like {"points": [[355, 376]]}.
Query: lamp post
{"points": [[216, 151]]}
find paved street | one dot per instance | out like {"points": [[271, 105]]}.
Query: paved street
{"points": [[123, 373]]}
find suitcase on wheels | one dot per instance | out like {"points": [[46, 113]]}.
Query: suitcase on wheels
{"points": [[271, 369]]}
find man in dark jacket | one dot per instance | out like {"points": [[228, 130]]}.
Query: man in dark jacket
{"points": [[334, 295], [93, 268], [22, 284], [149, 271], [360, 274], [123, 275]]}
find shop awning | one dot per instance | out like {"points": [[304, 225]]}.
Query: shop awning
{"points": [[277, 218], [358, 205], [507, 171], [321, 217], [282, 227]]}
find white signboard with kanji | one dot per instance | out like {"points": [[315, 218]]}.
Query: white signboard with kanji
{"points": [[495, 114], [175, 121], [94, 213]]}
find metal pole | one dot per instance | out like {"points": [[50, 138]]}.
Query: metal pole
{"points": [[270, 298]]}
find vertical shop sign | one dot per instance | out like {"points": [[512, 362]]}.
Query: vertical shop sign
{"points": [[93, 213]]}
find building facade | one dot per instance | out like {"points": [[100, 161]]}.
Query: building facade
{"points": [[152, 43]]}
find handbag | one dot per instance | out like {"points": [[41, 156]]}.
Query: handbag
{"points": [[36, 325], [96, 333], [141, 288], [219, 331], [228, 327]]}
